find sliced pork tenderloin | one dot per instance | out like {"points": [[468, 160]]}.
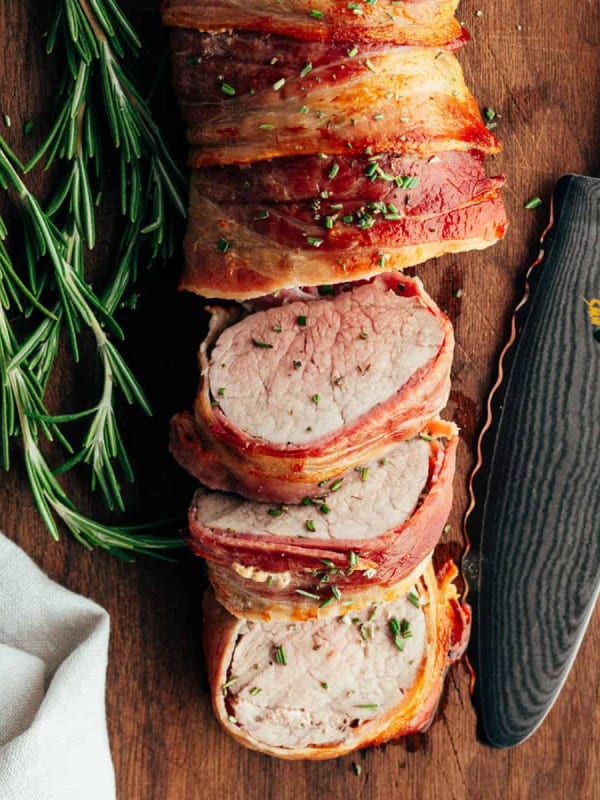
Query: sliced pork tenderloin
{"points": [[297, 394], [358, 543], [319, 689]]}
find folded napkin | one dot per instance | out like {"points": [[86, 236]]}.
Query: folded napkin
{"points": [[53, 654]]}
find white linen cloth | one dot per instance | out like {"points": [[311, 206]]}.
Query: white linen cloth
{"points": [[53, 656]]}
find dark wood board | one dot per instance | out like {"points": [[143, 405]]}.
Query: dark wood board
{"points": [[538, 65]]}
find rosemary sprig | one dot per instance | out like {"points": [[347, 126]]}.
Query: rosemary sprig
{"points": [[97, 94]]}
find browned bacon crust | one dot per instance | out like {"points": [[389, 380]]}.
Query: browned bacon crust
{"points": [[315, 220], [402, 99], [429, 23]]}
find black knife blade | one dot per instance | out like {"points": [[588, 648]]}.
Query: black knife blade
{"points": [[533, 569]]}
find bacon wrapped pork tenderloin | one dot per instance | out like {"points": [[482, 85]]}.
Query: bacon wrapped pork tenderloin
{"points": [[297, 394], [361, 541], [367, 94], [323, 688]]}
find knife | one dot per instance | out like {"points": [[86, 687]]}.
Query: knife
{"points": [[533, 568]]}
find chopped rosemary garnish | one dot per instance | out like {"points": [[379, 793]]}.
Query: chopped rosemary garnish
{"points": [[310, 595], [533, 202], [336, 485], [305, 69], [255, 690], [368, 705], [315, 399], [336, 592], [280, 657], [414, 599], [310, 525], [353, 558], [229, 683], [394, 627], [264, 345]]}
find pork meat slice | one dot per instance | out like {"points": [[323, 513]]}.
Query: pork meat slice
{"points": [[357, 543], [423, 22], [320, 689], [299, 393]]}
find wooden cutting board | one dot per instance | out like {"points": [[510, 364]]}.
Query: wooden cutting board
{"points": [[537, 63]]}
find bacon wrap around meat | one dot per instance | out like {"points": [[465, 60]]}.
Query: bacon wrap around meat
{"points": [[447, 624], [419, 22], [224, 457], [410, 100], [321, 220], [260, 576]]}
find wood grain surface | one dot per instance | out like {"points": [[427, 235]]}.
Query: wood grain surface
{"points": [[537, 63]]}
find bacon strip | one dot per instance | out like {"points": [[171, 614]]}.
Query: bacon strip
{"points": [[447, 630], [420, 22], [289, 222], [403, 99]]}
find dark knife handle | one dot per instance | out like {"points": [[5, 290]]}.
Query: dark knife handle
{"points": [[534, 522]]}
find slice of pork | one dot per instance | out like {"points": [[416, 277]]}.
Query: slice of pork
{"points": [[356, 544], [297, 394], [320, 689]]}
